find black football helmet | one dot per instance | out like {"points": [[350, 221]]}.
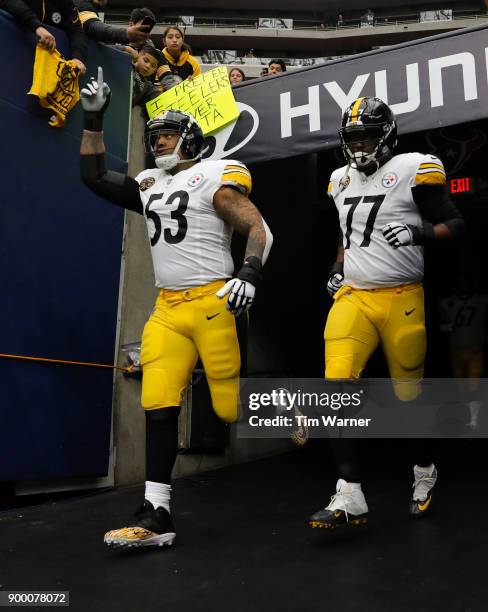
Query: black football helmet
{"points": [[368, 119], [191, 143]]}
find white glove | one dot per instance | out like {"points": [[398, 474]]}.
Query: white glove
{"points": [[334, 283], [399, 234], [95, 98], [241, 295]]}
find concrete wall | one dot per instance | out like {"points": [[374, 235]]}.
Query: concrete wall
{"points": [[137, 298]]}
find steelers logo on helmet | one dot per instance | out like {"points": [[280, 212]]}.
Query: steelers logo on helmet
{"points": [[368, 134], [189, 147], [56, 17]]}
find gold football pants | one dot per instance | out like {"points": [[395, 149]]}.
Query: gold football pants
{"points": [[186, 325], [361, 319]]}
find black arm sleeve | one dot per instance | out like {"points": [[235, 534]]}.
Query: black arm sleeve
{"points": [[22, 13], [436, 206], [115, 187], [103, 32]]}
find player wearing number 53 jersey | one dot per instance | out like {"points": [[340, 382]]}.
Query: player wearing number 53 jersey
{"points": [[191, 209], [390, 207]]}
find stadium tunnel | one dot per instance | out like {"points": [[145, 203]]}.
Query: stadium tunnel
{"points": [[286, 333], [238, 522]]}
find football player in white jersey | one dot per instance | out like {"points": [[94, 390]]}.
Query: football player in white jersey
{"points": [[191, 208], [389, 207], [464, 316]]}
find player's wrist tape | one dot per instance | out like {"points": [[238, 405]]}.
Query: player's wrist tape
{"points": [[93, 121], [336, 268], [422, 235], [251, 271]]}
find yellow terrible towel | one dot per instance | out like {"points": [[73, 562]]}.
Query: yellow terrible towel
{"points": [[55, 83]]}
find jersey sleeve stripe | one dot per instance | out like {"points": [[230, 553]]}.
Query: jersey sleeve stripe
{"points": [[432, 178], [225, 172], [238, 179], [329, 188], [239, 166], [431, 165], [245, 189], [87, 15], [429, 171]]}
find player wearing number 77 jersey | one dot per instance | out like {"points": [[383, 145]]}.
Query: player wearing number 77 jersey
{"points": [[191, 208], [390, 207]]}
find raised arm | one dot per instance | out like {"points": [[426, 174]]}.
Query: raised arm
{"points": [[104, 32], [118, 188]]}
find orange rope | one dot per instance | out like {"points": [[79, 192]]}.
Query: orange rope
{"points": [[66, 362]]}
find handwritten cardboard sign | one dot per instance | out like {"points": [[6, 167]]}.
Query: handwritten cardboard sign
{"points": [[208, 97]]}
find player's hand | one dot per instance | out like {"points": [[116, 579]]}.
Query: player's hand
{"points": [[334, 283], [241, 295], [46, 39], [95, 98], [336, 278], [400, 234]]}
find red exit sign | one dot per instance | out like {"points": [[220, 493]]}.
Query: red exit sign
{"points": [[461, 185]]}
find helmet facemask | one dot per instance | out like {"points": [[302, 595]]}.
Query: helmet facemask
{"points": [[170, 160], [374, 154], [371, 121], [190, 145]]}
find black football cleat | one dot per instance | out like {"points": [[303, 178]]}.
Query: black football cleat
{"points": [[425, 479], [347, 507]]}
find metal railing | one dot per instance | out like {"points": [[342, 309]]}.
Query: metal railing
{"points": [[352, 24]]}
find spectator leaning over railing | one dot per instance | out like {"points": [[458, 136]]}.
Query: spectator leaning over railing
{"points": [[96, 29], [178, 54], [145, 66], [276, 66], [236, 76], [63, 14]]}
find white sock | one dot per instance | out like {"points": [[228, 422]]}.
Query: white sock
{"points": [[158, 493]]}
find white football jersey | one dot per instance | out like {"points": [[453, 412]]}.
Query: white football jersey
{"points": [[190, 243], [367, 203]]}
